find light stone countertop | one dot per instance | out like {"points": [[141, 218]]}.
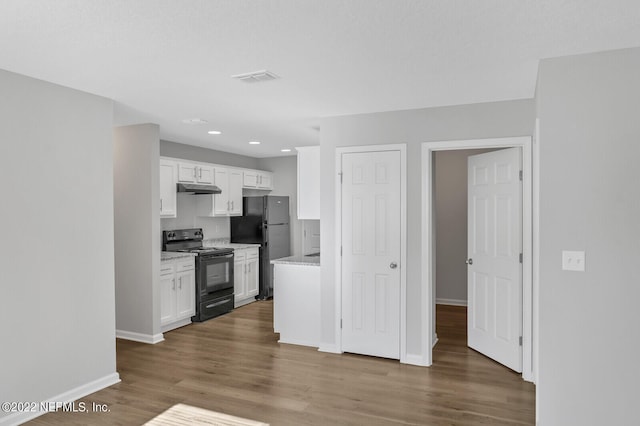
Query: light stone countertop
{"points": [[170, 255], [224, 243], [298, 260]]}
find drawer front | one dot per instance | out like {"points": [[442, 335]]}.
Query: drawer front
{"points": [[252, 253], [167, 268], [239, 254], [187, 265], [216, 307]]}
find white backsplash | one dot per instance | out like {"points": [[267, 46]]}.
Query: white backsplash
{"points": [[212, 227]]}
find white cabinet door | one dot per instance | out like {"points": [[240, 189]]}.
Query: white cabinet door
{"points": [[221, 202], [185, 294], [235, 192], [265, 180], [252, 276], [168, 188], [167, 298], [186, 172], [309, 182], [239, 288], [249, 179], [205, 175]]}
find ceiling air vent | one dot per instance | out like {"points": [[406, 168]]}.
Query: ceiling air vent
{"points": [[256, 76]]}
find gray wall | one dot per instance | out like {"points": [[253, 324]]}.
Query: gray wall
{"points": [[137, 229], [588, 107], [450, 204], [412, 127], [196, 153], [285, 182], [57, 305]]}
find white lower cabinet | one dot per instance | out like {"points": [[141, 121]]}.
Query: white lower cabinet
{"points": [[246, 273], [177, 293]]}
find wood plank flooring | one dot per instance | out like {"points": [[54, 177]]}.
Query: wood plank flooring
{"points": [[234, 365]]}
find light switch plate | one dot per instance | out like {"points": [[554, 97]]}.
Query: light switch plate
{"points": [[572, 260]]}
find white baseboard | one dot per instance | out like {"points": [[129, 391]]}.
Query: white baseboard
{"points": [[332, 349], [299, 342], [435, 340], [173, 326], [139, 337], [413, 359], [64, 398], [452, 302]]}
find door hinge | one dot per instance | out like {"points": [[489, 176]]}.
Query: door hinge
{"points": [[520, 257], [340, 250], [520, 174], [340, 322], [340, 177], [520, 341]]}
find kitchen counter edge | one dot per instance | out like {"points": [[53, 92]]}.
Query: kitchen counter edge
{"points": [[298, 260]]}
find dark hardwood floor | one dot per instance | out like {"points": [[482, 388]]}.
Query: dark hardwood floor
{"points": [[233, 364]]}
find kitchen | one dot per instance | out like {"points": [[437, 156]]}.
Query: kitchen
{"points": [[165, 296]]}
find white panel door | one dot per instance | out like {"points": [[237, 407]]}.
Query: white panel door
{"points": [[371, 253], [494, 245]]}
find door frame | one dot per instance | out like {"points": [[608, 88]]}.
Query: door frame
{"points": [[403, 239], [529, 243]]}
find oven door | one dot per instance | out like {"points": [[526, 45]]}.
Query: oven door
{"points": [[215, 273]]}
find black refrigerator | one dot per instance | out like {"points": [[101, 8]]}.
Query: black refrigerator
{"points": [[265, 221]]}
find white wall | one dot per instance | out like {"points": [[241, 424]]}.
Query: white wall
{"points": [[57, 316], [588, 107], [412, 127], [196, 153], [212, 227], [450, 204], [137, 231], [285, 182]]}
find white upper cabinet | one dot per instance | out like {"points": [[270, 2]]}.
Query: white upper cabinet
{"points": [[235, 192], [195, 173], [168, 176], [309, 182], [186, 172], [229, 202], [256, 179]]}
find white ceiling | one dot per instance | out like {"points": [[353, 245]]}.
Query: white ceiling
{"points": [[166, 60]]}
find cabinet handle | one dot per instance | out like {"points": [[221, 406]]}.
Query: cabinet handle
{"points": [[173, 286], [200, 172], [160, 204], [195, 173], [228, 205], [232, 205], [180, 283]]}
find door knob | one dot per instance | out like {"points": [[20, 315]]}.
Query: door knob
{"points": [[393, 265], [469, 262]]}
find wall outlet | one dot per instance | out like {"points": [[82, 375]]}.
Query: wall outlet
{"points": [[573, 260]]}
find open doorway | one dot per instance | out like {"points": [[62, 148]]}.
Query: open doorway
{"points": [[429, 241], [478, 233]]}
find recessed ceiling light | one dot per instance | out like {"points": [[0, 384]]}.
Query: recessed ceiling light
{"points": [[285, 150], [254, 143], [194, 121], [214, 132]]}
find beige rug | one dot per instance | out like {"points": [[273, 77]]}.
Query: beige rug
{"points": [[181, 414]]}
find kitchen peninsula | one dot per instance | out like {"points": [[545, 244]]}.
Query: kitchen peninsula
{"points": [[296, 299]]}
